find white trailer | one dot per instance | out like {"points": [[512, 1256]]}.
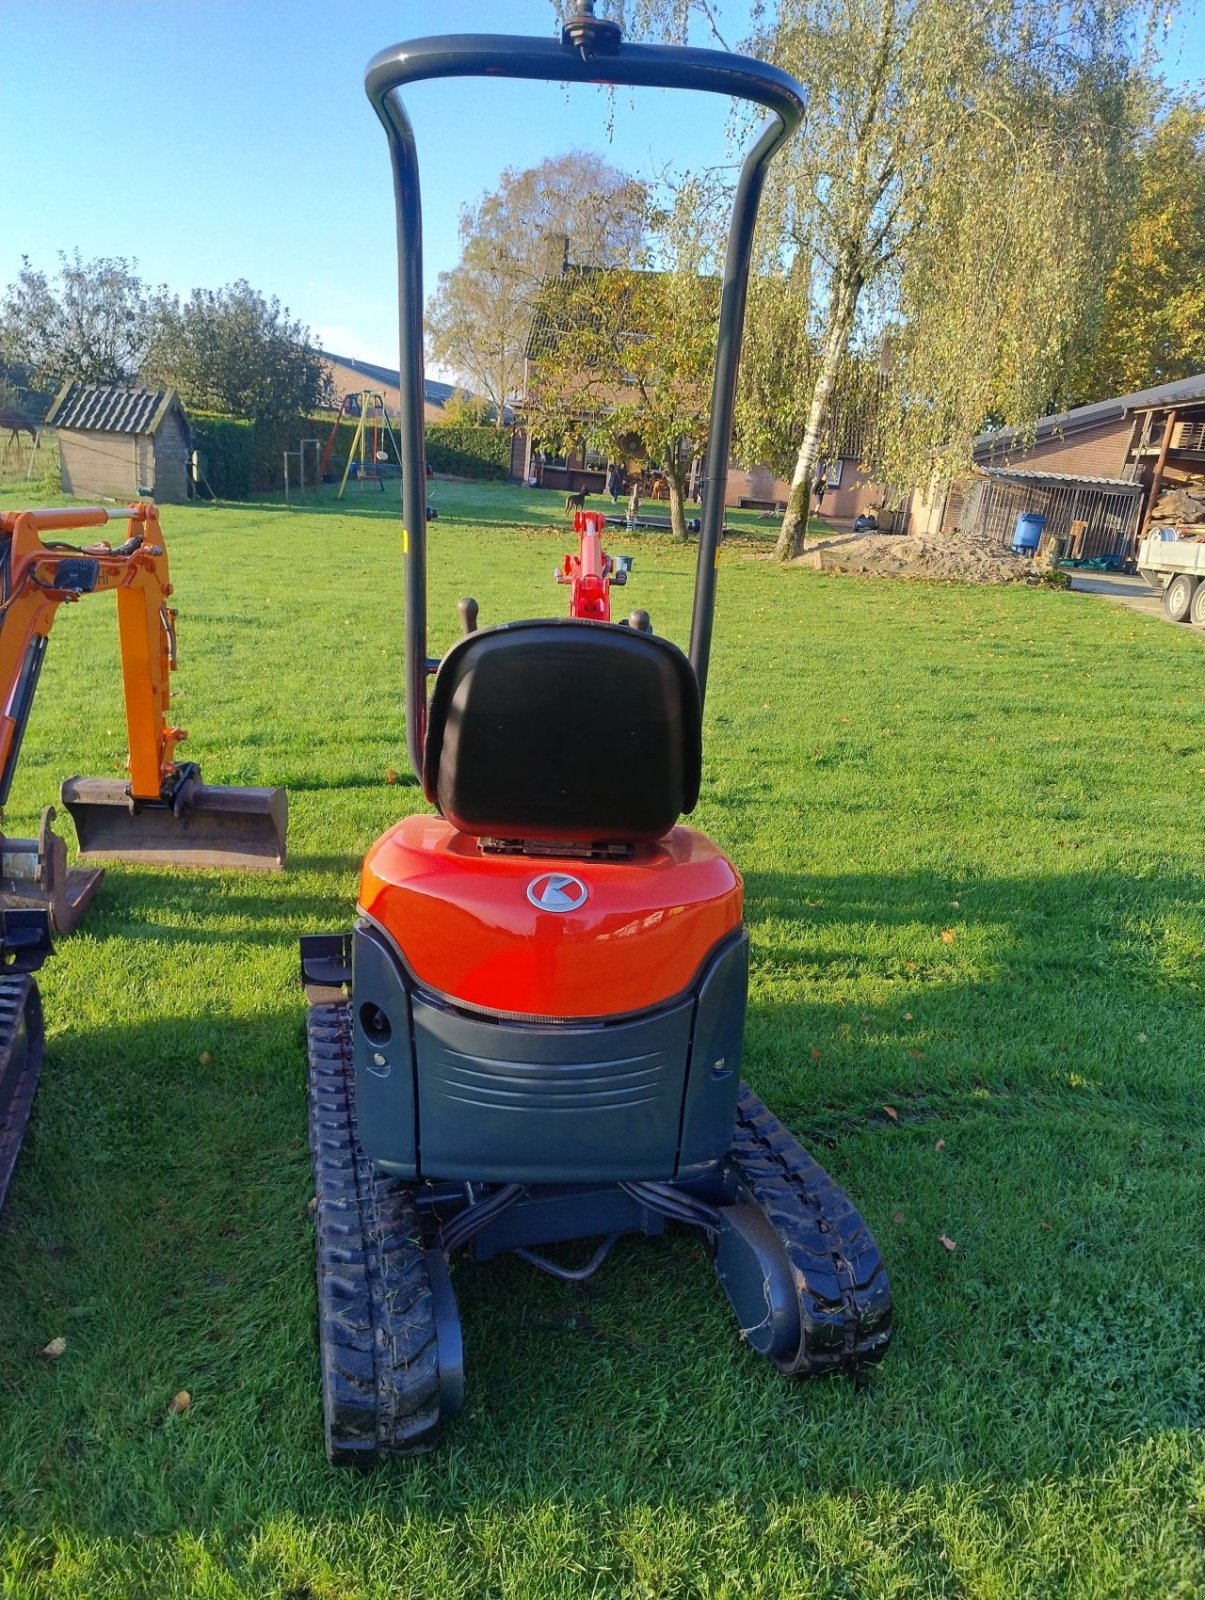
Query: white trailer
{"points": [[1177, 567]]}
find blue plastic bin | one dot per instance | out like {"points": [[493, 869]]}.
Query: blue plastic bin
{"points": [[1027, 535]]}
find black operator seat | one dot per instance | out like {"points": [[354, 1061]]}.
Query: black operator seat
{"points": [[564, 730]]}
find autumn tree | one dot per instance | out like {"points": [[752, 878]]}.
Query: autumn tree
{"points": [[89, 321], [574, 207], [235, 351], [623, 355], [1152, 325], [464, 410], [953, 189]]}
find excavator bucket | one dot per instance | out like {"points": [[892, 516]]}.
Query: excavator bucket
{"points": [[203, 825], [34, 875]]}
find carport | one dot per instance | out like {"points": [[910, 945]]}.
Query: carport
{"points": [[1094, 516]]}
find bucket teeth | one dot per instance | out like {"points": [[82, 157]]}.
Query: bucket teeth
{"points": [[215, 826]]}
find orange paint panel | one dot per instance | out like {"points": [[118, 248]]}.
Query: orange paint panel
{"points": [[468, 928]]}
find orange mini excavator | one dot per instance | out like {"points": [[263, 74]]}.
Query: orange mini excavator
{"points": [[161, 815], [532, 1034]]}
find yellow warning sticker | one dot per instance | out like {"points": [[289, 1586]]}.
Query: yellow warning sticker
{"points": [[405, 543]]}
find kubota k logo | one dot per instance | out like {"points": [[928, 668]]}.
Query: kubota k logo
{"points": [[556, 891]]}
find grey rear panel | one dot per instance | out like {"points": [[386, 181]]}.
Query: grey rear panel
{"points": [[445, 1094], [559, 1104]]}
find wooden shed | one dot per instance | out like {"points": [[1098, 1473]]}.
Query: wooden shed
{"points": [[122, 443]]}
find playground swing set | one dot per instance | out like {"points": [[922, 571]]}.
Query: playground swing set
{"points": [[367, 452]]}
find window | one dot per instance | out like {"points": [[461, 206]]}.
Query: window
{"points": [[832, 474]]}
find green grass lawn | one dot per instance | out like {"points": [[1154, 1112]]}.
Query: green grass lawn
{"points": [[501, 504], [971, 830]]}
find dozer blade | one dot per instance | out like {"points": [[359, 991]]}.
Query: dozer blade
{"points": [[34, 875], [204, 826]]}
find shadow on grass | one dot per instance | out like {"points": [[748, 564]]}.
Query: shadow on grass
{"points": [[316, 783], [1010, 964], [214, 908], [160, 1218]]}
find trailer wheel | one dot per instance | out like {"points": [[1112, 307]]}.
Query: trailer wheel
{"points": [[1178, 596], [1196, 614]]}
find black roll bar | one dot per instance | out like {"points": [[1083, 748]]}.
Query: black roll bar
{"points": [[631, 65]]}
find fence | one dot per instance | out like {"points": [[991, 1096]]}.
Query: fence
{"points": [[1099, 516], [24, 461]]}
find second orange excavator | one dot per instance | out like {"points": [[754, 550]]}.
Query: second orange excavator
{"points": [[161, 815]]}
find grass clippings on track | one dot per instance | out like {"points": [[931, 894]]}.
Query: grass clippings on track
{"points": [[970, 826]]}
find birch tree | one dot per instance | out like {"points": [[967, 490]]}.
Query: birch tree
{"points": [[1152, 326], [953, 192]]}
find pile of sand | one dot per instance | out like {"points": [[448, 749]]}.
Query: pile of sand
{"points": [[962, 557]]}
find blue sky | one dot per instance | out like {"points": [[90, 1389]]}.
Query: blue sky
{"points": [[218, 139]]}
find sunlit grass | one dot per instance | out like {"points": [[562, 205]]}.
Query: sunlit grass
{"points": [[889, 764]]}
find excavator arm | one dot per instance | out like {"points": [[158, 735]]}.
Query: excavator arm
{"points": [[163, 814], [38, 574]]}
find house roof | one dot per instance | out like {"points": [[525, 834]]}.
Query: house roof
{"points": [[1054, 479], [1093, 416], [435, 394], [553, 317], [110, 408]]}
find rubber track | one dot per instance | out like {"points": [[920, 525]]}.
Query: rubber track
{"points": [[380, 1366], [16, 989], [844, 1296]]}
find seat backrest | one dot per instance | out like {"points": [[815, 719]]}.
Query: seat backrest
{"points": [[564, 730]]}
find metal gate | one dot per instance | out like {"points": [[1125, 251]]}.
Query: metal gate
{"points": [[1096, 516]]}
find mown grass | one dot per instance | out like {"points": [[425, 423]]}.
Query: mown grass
{"points": [[889, 764]]}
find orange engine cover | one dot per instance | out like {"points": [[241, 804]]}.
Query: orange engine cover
{"points": [[503, 933]]}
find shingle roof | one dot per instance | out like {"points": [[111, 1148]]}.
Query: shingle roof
{"points": [[1100, 411], [109, 408], [556, 315]]}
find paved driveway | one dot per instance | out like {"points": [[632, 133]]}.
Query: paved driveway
{"points": [[1124, 589]]}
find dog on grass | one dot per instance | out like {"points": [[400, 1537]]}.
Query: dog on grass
{"points": [[575, 500]]}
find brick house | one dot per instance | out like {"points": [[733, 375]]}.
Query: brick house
{"points": [[351, 376], [1092, 471], [1094, 441]]}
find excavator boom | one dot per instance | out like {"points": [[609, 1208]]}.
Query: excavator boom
{"points": [[163, 814]]}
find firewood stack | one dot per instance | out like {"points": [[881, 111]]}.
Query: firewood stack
{"points": [[1181, 504]]}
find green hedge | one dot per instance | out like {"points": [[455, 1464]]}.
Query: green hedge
{"points": [[240, 458], [466, 451], [227, 447], [319, 428], [272, 439], [469, 452]]}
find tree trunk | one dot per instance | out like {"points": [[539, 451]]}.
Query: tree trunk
{"points": [[792, 535], [847, 285], [675, 478]]}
